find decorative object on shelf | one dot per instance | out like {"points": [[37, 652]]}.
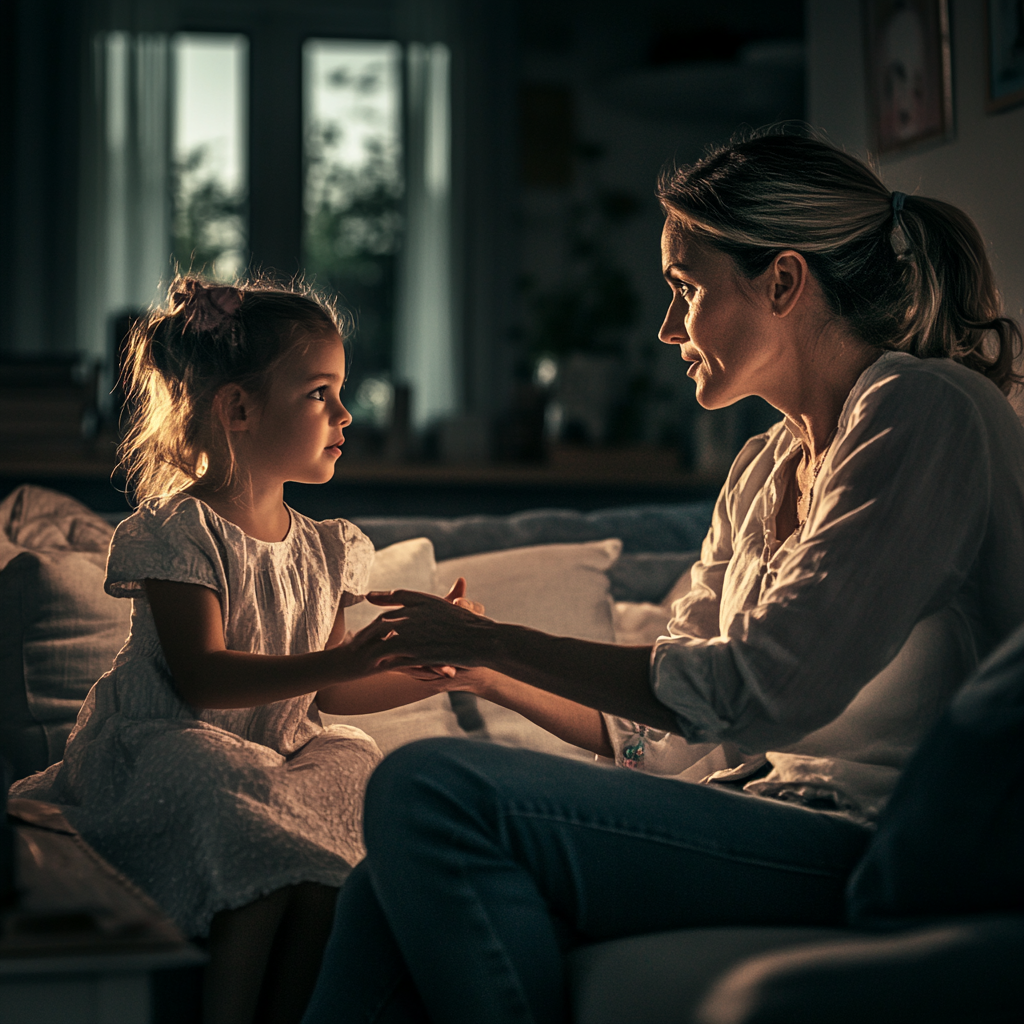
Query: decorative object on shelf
{"points": [[1005, 55], [909, 72]]}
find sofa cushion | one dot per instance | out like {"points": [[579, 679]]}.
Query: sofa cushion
{"points": [[409, 564], [38, 519], [648, 576], [61, 632], [559, 588], [962, 970]]}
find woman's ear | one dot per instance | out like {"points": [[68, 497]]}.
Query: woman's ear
{"points": [[787, 279], [234, 407]]}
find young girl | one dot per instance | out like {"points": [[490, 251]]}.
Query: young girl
{"points": [[198, 765]]}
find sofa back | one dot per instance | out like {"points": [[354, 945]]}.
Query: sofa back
{"points": [[59, 630]]}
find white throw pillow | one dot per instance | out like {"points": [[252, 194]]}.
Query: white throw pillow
{"points": [[638, 623], [559, 588], [407, 565]]}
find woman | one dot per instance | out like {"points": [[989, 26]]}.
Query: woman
{"points": [[864, 554]]}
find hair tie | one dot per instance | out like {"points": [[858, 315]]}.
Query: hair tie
{"points": [[210, 310], [897, 237]]}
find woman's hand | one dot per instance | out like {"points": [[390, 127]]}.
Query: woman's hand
{"points": [[424, 630]]}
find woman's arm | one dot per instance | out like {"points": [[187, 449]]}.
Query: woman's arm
{"points": [[427, 630], [189, 624]]}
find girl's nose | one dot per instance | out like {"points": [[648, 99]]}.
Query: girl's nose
{"points": [[343, 417]]}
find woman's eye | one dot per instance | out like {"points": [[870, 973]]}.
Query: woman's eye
{"points": [[319, 393]]}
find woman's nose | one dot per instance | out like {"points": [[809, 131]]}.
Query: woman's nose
{"points": [[673, 330]]}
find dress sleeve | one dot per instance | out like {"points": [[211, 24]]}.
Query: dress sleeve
{"points": [[346, 545], [896, 525], [165, 541]]}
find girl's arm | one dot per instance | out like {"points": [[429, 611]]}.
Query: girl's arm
{"points": [[206, 674]]}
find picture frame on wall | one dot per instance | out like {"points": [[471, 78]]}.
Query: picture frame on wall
{"points": [[909, 73], [1005, 54]]}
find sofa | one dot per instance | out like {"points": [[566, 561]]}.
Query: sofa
{"points": [[608, 576]]}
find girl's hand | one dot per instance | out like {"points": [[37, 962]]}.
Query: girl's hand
{"points": [[457, 596], [444, 679]]}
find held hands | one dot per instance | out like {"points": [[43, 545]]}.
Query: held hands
{"points": [[426, 634]]}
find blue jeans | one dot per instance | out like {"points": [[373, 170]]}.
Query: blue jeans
{"points": [[486, 864]]}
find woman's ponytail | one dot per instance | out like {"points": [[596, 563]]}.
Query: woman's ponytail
{"points": [[952, 304]]}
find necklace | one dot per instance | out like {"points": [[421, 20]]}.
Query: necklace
{"points": [[818, 463]]}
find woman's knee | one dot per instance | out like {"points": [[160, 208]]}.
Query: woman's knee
{"points": [[423, 782]]}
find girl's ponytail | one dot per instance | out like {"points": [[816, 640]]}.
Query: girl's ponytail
{"points": [[904, 272]]}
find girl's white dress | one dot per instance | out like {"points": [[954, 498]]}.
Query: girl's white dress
{"points": [[208, 810]]}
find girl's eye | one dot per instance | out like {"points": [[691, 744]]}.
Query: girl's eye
{"points": [[318, 394]]}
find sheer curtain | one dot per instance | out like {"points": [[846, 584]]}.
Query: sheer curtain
{"points": [[125, 203], [426, 352]]}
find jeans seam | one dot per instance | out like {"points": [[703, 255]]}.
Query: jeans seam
{"points": [[681, 844]]}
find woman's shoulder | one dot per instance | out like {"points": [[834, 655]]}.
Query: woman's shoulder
{"points": [[928, 391]]}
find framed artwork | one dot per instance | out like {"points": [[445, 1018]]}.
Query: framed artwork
{"points": [[1005, 54], [909, 72]]}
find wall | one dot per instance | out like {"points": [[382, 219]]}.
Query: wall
{"points": [[980, 169]]}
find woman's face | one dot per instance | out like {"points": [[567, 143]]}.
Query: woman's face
{"points": [[722, 325]]}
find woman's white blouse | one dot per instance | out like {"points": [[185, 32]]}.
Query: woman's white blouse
{"points": [[833, 651]]}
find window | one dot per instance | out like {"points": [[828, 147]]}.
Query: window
{"points": [[170, 178], [209, 159], [353, 189]]}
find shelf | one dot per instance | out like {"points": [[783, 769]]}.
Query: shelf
{"points": [[565, 466]]}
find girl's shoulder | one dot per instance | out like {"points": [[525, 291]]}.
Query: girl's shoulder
{"points": [[342, 543], [332, 531], [167, 516], [172, 537]]}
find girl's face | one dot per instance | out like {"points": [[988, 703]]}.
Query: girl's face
{"points": [[715, 318], [297, 430]]}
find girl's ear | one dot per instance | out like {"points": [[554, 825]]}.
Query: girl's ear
{"points": [[234, 407]]}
